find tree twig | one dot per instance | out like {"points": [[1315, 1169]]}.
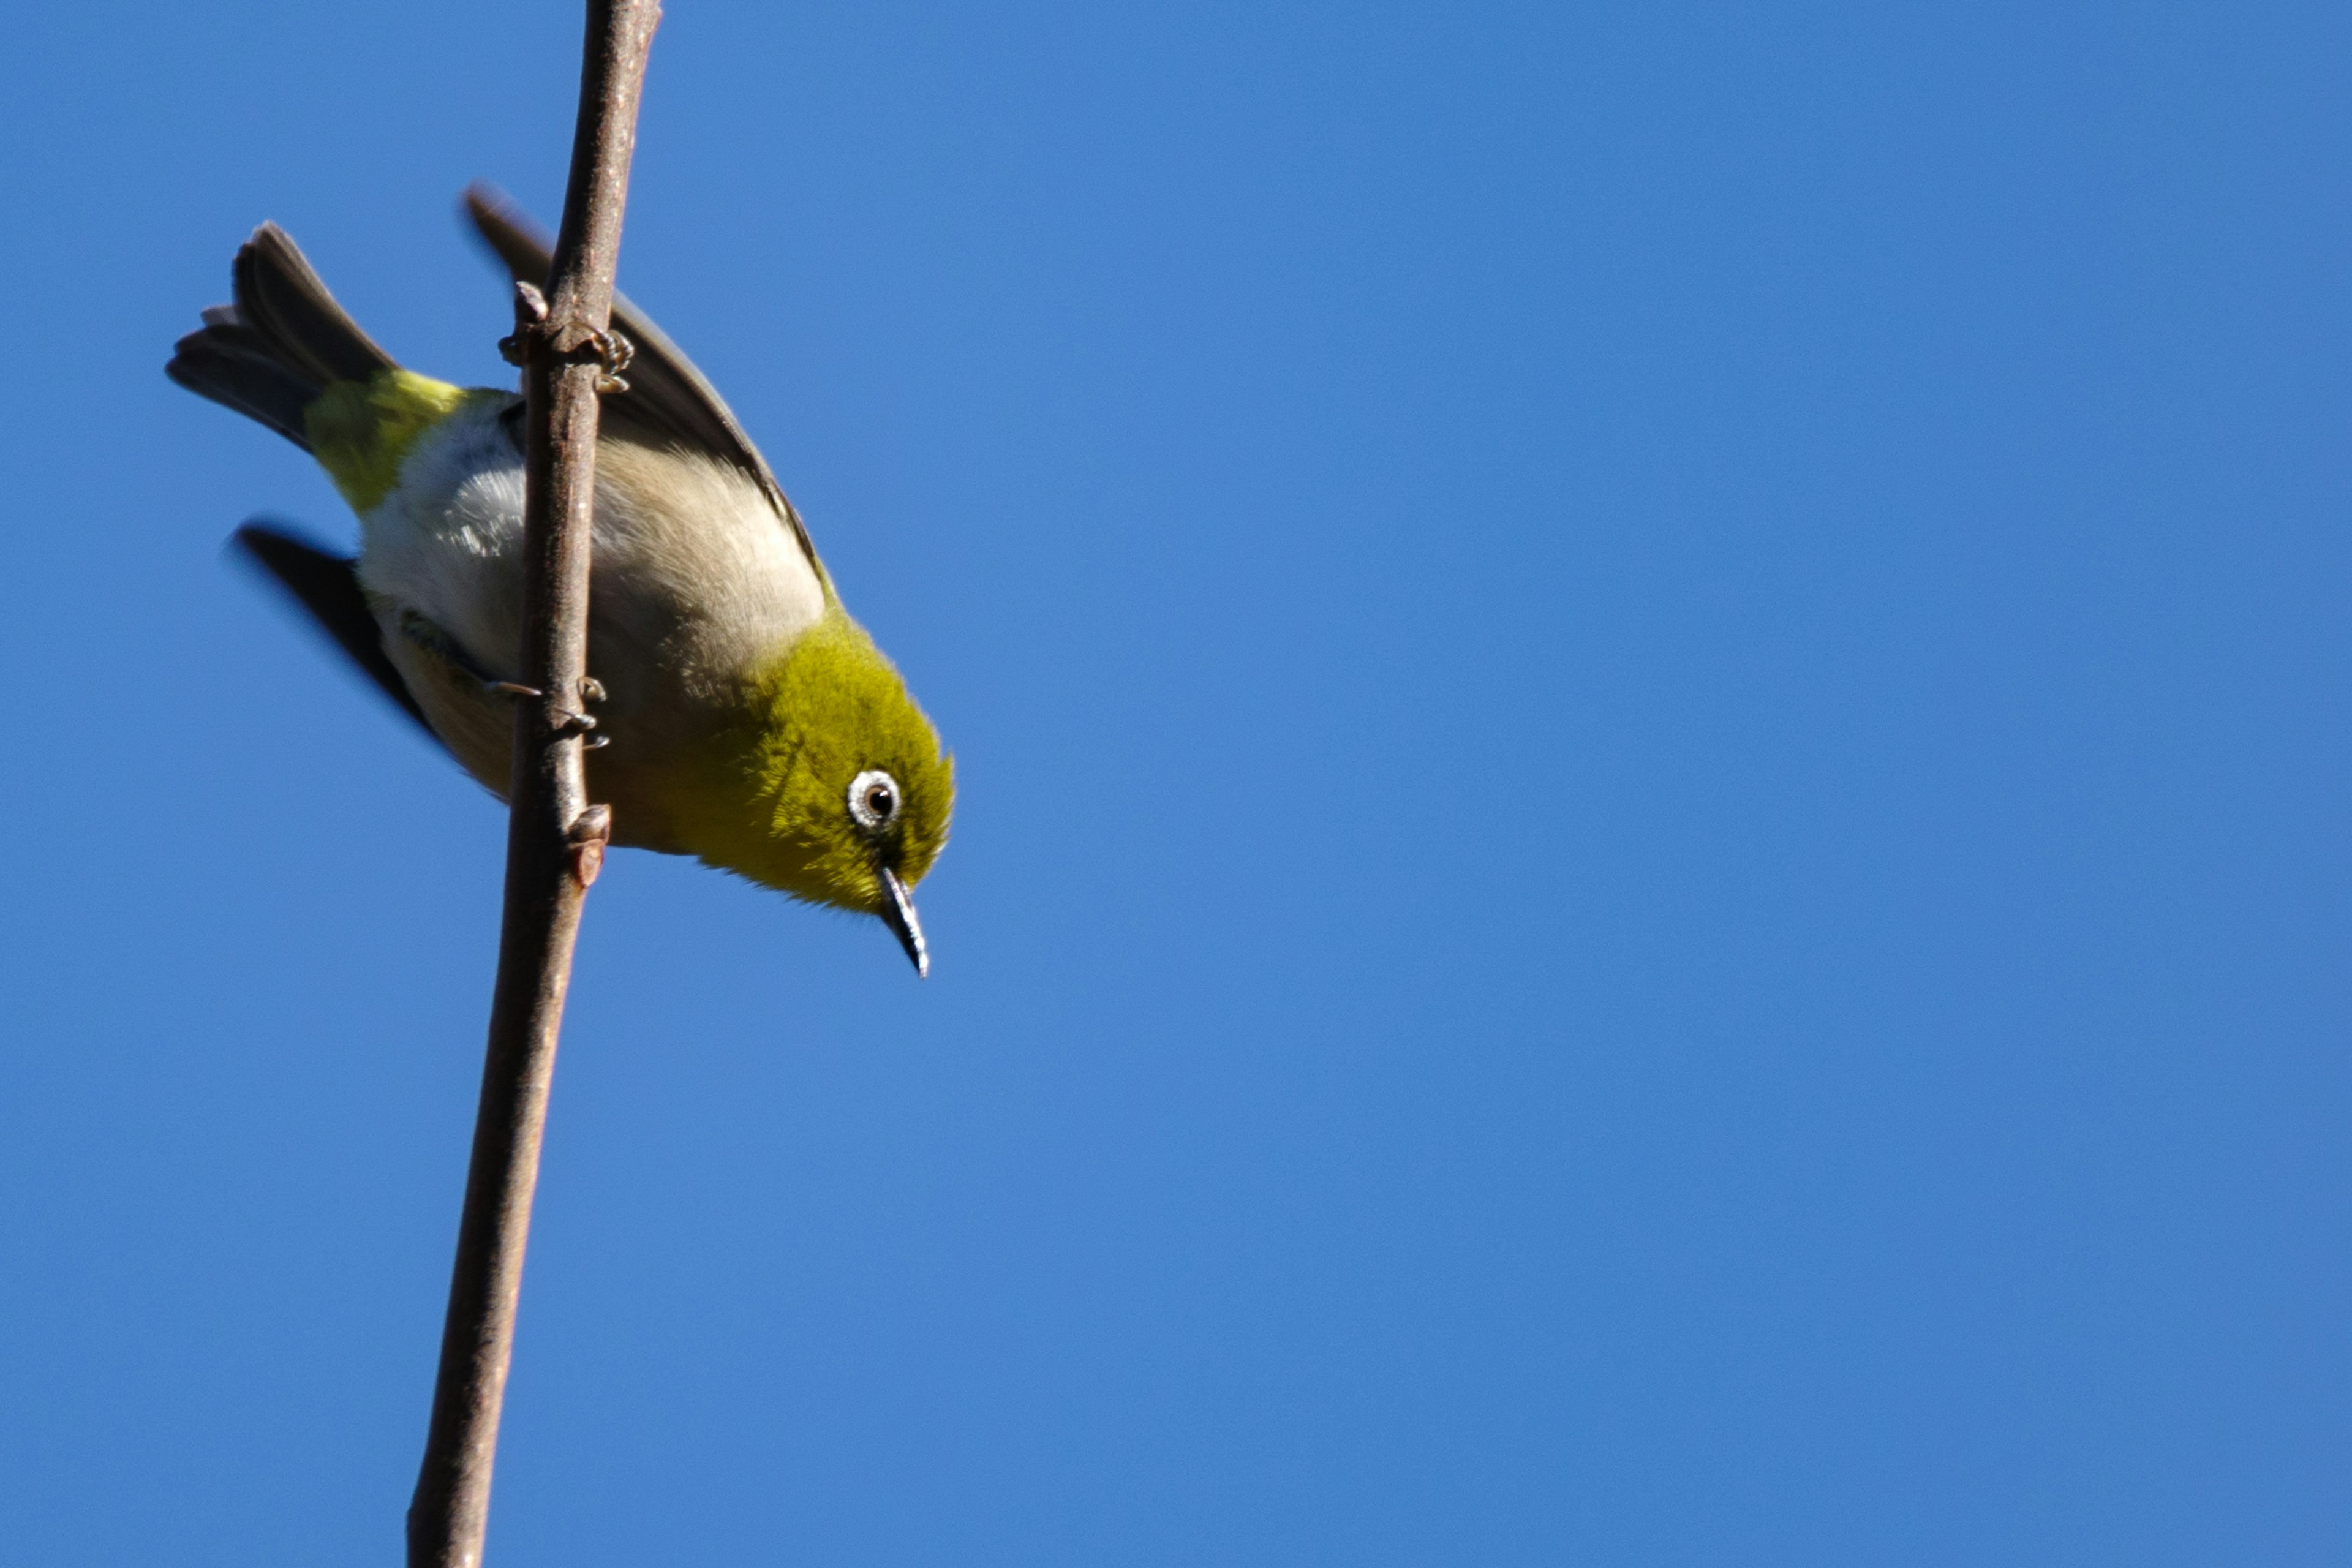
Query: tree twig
{"points": [[555, 839]]}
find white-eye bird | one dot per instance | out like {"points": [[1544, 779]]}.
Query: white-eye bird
{"points": [[744, 718]]}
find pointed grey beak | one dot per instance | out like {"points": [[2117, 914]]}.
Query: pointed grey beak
{"points": [[898, 914]]}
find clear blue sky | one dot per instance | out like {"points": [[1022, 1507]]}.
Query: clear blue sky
{"points": [[1652, 868]]}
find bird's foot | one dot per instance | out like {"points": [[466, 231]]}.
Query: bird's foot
{"points": [[592, 691], [613, 352]]}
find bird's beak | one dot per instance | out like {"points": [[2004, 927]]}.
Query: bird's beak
{"points": [[898, 914]]}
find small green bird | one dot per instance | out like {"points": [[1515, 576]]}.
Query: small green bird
{"points": [[744, 718]]}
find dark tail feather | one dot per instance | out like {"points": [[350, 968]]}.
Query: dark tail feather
{"points": [[270, 354], [229, 364], [282, 300]]}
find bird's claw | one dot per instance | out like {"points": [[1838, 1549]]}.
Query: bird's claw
{"points": [[614, 353], [591, 690]]}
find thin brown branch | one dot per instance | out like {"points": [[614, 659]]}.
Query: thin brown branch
{"points": [[555, 839]]}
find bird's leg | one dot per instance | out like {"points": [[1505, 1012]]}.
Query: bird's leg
{"points": [[426, 634], [591, 690], [574, 723], [442, 645]]}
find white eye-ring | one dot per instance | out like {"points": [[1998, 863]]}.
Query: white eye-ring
{"points": [[875, 800]]}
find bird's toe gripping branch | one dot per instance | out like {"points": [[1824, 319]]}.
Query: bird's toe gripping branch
{"points": [[592, 691], [607, 348]]}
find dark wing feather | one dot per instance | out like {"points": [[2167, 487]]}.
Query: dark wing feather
{"points": [[667, 393], [325, 585]]}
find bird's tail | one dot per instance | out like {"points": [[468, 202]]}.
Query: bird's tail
{"points": [[281, 345]]}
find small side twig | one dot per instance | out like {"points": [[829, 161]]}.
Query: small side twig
{"points": [[555, 839]]}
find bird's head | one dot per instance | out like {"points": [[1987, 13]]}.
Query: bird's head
{"points": [[849, 791]]}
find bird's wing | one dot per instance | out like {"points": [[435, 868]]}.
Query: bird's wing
{"points": [[666, 394], [324, 585]]}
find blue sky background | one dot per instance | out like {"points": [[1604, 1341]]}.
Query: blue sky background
{"points": [[1652, 705]]}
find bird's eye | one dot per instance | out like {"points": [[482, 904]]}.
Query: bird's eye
{"points": [[874, 799]]}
